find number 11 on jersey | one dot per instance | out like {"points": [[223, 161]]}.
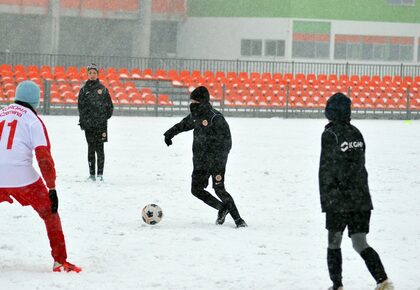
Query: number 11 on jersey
{"points": [[12, 126]]}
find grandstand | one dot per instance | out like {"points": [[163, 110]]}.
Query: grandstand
{"points": [[290, 76]]}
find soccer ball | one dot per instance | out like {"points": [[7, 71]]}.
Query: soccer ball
{"points": [[151, 214]]}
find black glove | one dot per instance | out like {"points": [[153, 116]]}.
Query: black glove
{"points": [[168, 140], [54, 200]]}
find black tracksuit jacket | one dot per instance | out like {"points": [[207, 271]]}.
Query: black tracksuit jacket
{"points": [[343, 179], [95, 106], [212, 139]]}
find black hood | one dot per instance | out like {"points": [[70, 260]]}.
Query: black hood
{"points": [[338, 108], [200, 94]]}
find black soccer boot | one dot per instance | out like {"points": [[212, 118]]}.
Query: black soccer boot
{"points": [[221, 215], [240, 223]]}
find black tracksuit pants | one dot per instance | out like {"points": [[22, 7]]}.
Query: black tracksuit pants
{"points": [[95, 151], [200, 180]]}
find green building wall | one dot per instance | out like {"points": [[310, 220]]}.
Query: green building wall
{"points": [[357, 10]]}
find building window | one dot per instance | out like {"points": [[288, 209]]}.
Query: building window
{"points": [[274, 48], [402, 2], [311, 39], [251, 47], [361, 47]]}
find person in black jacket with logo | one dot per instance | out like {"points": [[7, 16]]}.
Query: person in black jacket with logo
{"points": [[95, 108], [344, 190], [211, 146]]}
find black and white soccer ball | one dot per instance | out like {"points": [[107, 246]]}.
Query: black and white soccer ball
{"points": [[151, 214]]}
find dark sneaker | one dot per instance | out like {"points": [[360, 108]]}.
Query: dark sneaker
{"points": [[100, 178], [240, 223], [221, 216]]}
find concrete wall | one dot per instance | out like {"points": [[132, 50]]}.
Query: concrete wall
{"points": [[21, 34], [220, 38], [217, 37]]}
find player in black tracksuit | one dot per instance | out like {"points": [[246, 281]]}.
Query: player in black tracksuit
{"points": [[211, 146], [95, 108], [344, 190]]}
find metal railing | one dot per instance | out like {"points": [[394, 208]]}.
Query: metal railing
{"points": [[180, 105], [213, 65]]}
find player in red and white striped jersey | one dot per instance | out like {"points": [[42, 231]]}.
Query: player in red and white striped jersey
{"points": [[21, 133]]}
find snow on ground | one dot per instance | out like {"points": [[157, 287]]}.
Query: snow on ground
{"points": [[271, 173]]}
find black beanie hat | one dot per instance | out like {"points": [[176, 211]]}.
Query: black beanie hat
{"points": [[338, 108], [92, 66], [200, 94]]}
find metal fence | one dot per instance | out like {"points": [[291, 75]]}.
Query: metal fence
{"points": [[202, 65], [213, 65]]}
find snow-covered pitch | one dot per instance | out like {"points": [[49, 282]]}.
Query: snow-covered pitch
{"points": [[272, 174]]}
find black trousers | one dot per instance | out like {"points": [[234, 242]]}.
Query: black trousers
{"points": [[200, 180], [95, 140]]}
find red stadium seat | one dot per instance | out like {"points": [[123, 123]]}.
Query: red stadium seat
{"points": [[364, 79], [160, 74], [122, 98], [163, 100], [354, 80], [123, 73], [150, 100], [288, 77], [136, 98], [322, 78], [311, 78], [333, 79], [136, 73], [148, 73], [387, 80], [5, 67], [300, 78]]}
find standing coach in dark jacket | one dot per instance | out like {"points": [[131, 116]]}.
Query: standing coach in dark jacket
{"points": [[211, 146], [344, 190], [95, 108]]}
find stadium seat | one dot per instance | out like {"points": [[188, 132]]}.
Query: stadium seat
{"points": [[136, 98], [69, 97], [209, 75], [275, 101], [149, 100], [148, 73], [255, 76], [387, 80], [5, 67], [122, 98], [321, 78], [164, 100], [364, 79], [344, 79], [354, 80], [123, 73], [220, 76], [311, 78], [333, 79], [397, 80], [288, 77], [160, 74], [300, 78], [277, 78], [136, 74]]}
